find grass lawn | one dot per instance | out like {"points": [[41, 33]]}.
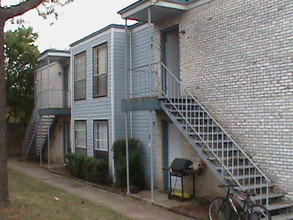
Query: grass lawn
{"points": [[33, 199]]}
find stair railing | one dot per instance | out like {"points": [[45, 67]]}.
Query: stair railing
{"points": [[142, 81], [173, 90], [32, 122]]}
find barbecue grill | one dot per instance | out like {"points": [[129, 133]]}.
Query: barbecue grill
{"points": [[180, 168]]}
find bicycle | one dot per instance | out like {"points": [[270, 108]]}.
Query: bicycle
{"points": [[228, 209]]}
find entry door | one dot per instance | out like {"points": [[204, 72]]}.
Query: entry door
{"points": [[170, 57], [174, 150]]}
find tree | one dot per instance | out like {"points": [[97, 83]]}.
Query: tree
{"points": [[21, 58], [6, 13]]}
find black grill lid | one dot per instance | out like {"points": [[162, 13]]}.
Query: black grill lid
{"points": [[179, 164]]}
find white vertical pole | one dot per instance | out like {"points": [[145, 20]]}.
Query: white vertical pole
{"points": [[151, 112], [152, 155], [127, 152], [126, 113], [48, 118], [40, 94]]}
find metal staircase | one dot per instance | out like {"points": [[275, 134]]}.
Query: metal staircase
{"points": [[218, 149], [37, 133]]}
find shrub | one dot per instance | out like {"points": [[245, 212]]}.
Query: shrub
{"points": [[74, 163], [87, 168], [136, 171], [96, 170]]}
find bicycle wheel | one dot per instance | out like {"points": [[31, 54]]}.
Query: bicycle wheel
{"points": [[219, 209], [257, 212]]}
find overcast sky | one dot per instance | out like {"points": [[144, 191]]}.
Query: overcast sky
{"points": [[76, 20]]}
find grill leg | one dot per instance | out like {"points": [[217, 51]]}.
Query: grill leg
{"points": [[182, 191], [193, 185], [170, 184]]}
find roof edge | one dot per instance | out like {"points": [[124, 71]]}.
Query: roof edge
{"points": [[96, 33]]}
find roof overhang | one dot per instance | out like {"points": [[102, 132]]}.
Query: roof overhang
{"points": [[160, 10], [61, 56], [54, 54]]}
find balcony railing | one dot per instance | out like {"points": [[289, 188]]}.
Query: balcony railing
{"points": [[53, 99], [144, 81]]}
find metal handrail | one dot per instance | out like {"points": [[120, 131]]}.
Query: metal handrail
{"points": [[31, 122], [189, 95]]}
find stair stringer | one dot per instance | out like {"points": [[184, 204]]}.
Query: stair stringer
{"points": [[29, 140]]}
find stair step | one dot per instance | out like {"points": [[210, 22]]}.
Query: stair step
{"points": [[270, 195], [215, 141], [224, 149], [206, 133], [244, 177], [280, 205], [191, 118], [205, 126], [212, 158], [287, 216], [241, 167], [254, 186]]}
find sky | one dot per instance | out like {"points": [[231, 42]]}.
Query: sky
{"points": [[76, 20]]}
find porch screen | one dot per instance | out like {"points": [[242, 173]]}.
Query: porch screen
{"points": [[79, 79], [101, 135], [80, 134], [100, 78]]}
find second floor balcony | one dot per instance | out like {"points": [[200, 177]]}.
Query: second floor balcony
{"points": [[53, 101]]}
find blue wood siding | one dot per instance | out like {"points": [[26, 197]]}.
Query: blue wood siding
{"points": [[92, 108], [141, 119], [119, 82]]}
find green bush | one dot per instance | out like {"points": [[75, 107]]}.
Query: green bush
{"points": [[96, 170], [136, 171], [87, 168], [74, 163]]}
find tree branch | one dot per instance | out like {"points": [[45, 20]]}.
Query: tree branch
{"points": [[21, 8]]}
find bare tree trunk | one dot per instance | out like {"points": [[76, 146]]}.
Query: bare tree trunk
{"points": [[4, 199]]}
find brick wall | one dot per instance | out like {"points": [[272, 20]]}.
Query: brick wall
{"points": [[237, 58]]}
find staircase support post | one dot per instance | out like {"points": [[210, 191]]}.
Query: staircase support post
{"points": [[48, 118], [127, 152], [150, 93]]}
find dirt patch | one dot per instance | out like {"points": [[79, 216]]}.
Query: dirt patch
{"points": [[196, 211]]}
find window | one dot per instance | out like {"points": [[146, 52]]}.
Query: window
{"points": [[100, 76], [80, 79], [80, 135], [101, 135]]}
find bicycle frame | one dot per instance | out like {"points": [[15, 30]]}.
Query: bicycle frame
{"points": [[240, 213]]}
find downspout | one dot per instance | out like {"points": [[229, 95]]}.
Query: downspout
{"points": [[112, 100]]}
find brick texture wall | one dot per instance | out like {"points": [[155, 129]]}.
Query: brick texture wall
{"points": [[236, 57]]}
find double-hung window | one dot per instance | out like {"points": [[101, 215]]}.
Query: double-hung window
{"points": [[100, 75], [101, 135], [80, 76], [80, 136]]}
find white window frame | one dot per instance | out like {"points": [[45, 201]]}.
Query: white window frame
{"points": [[96, 139], [76, 74], [96, 73], [80, 130]]}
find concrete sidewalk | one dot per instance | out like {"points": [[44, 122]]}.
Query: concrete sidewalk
{"points": [[124, 205]]}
